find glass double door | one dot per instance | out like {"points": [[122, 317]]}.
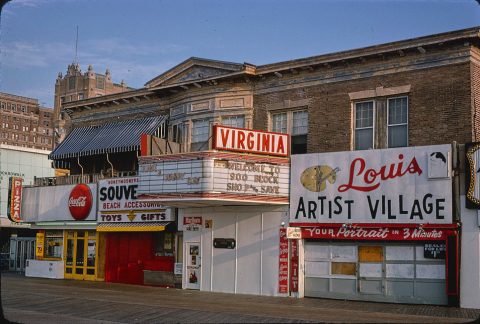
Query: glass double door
{"points": [[80, 260], [21, 249]]}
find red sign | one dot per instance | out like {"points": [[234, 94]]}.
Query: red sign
{"points": [[15, 199], [283, 262], [382, 233], [192, 220], [370, 178], [294, 266], [250, 141], [80, 201]]}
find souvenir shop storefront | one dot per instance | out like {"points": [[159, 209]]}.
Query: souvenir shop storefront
{"points": [[376, 225], [100, 232], [140, 236], [231, 207]]}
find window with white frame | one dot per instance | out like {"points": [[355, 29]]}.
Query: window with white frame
{"points": [[200, 135], [234, 121], [381, 123], [397, 122], [279, 123], [295, 123], [364, 125]]}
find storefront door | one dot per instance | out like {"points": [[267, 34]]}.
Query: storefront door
{"points": [[388, 272], [80, 255], [21, 249], [193, 265]]}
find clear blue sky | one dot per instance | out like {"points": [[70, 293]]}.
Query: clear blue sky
{"points": [[138, 40]]}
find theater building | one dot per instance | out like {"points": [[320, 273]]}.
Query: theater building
{"points": [[231, 203]]}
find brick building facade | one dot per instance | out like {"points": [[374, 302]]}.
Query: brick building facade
{"points": [[25, 123]]}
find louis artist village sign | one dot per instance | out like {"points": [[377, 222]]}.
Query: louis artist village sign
{"points": [[405, 185]]}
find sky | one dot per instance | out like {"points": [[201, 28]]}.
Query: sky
{"points": [[140, 39]]}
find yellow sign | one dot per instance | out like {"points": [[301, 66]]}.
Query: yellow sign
{"points": [[39, 246]]}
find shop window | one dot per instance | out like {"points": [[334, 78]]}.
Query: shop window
{"points": [[234, 121], [296, 124], [200, 135], [53, 244], [164, 244]]}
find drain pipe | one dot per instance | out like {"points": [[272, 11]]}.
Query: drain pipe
{"points": [[81, 167], [111, 166]]}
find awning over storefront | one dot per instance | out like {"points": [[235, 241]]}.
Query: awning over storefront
{"points": [[132, 227], [115, 137]]}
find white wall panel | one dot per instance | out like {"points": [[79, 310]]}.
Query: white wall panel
{"points": [[317, 269], [317, 251], [371, 270], [400, 270], [343, 253], [223, 261], [470, 260], [399, 253], [249, 236], [430, 271]]}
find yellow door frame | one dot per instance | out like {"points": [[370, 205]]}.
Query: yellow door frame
{"points": [[82, 271]]}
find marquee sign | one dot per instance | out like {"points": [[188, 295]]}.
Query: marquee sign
{"points": [[15, 199], [403, 185], [212, 175], [117, 203], [250, 141]]}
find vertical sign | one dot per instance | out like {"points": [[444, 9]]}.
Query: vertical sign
{"points": [[39, 244], [14, 199], [472, 170], [294, 266], [283, 262]]}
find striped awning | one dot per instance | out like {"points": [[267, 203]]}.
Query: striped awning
{"points": [[132, 227], [115, 137]]}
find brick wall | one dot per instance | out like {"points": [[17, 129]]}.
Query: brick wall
{"points": [[475, 100], [439, 106]]}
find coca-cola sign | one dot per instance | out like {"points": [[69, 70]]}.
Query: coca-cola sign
{"points": [[402, 185], [80, 201]]}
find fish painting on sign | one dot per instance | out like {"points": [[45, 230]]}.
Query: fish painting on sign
{"points": [[438, 165]]}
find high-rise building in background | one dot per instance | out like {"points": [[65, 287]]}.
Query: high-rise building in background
{"points": [[75, 85], [26, 123]]}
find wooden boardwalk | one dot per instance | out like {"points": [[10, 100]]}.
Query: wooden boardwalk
{"points": [[35, 300]]}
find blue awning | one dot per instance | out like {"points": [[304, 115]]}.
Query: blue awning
{"points": [[116, 137]]}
